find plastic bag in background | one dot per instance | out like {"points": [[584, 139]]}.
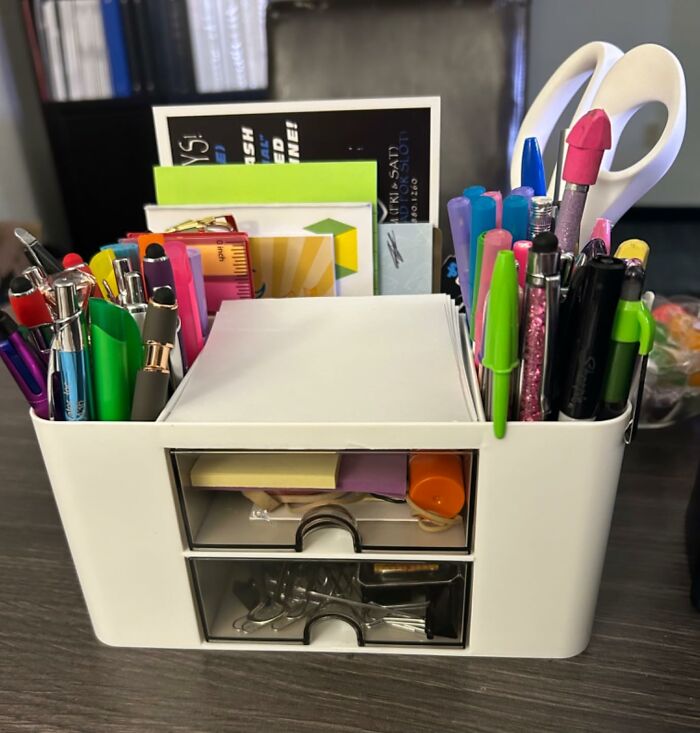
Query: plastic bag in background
{"points": [[672, 387]]}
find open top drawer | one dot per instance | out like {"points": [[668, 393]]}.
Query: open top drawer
{"points": [[366, 497]]}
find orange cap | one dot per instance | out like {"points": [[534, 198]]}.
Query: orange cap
{"points": [[436, 482]]}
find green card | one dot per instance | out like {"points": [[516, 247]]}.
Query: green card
{"points": [[270, 183]]}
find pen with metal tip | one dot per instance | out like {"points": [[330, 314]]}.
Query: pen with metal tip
{"points": [[538, 329], [590, 325], [37, 253], [135, 298], [540, 216], [122, 266], [24, 365], [71, 346], [632, 336], [589, 138], [32, 312], [151, 391], [500, 341]]}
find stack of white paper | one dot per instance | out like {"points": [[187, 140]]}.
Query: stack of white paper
{"points": [[331, 360]]}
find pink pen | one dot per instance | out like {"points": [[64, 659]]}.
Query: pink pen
{"points": [[495, 241], [521, 249], [602, 229], [540, 315], [587, 141], [498, 198], [191, 324]]}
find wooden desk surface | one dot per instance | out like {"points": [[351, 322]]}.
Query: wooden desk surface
{"points": [[641, 671]]}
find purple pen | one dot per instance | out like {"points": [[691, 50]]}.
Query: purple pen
{"points": [[157, 269], [24, 365]]}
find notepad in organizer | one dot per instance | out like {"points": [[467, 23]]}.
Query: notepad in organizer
{"points": [[388, 359]]}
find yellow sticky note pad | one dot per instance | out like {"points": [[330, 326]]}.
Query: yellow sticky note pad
{"points": [[266, 471]]}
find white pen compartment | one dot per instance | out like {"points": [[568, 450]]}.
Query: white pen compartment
{"points": [[366, 499], [405, 603]]}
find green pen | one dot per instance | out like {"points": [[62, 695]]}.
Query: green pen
{"points": [[117, 356], [500, 341], [477, 276], [632, 336]]}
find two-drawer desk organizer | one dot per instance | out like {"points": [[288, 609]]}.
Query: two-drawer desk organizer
{"points": [[157, 558]]}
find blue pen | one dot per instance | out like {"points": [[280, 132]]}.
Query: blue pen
{"points": [[473, 192], [516, 216], [483, 219], [72, 352], [459, 212], [532, 167]]}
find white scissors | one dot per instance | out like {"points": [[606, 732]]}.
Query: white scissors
{"points": [[619, 83]]}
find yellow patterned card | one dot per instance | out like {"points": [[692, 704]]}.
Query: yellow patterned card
{"points": [[293, 267]]}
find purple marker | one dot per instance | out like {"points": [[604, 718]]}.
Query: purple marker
{"points": [[24, 365]]}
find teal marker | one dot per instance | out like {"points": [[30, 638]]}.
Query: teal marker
{"points": [[501, 341], [483, 219]]}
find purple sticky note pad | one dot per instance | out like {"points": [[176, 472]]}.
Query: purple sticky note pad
{"points": [[374, 473]]}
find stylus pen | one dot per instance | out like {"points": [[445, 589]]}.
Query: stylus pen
{"points": [[159, 333]]}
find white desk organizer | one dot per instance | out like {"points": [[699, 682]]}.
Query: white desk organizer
{"points": [[532, 555]]}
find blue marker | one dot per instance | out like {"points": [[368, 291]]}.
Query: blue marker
{"points": [[516, 215], [532, 167], [126, 250], [473, 192], [483, 219]]}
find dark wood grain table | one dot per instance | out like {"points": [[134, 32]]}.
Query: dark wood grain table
{"points": [[641, 671]]}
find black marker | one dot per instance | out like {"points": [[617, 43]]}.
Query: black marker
{"points": [[590, 326]]}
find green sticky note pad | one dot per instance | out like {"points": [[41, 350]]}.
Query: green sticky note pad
{"points": [[270, 183]]}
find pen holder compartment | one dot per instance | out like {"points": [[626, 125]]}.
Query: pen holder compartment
{"points": [[540, 507]]}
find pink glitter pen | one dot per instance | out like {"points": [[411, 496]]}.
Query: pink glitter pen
{"points": [[589, 138], [538, 331]]}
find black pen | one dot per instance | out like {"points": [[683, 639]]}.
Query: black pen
{"points": [[37, 253]]}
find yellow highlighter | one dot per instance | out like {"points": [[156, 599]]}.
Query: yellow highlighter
{"points": [[634, 249], [102, 269]]}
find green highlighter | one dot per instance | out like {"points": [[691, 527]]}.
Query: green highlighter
{"points": [[500, 341], [117, 356], [632, 336]]}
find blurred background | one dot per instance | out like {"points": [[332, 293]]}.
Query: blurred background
{"points": [[77, 143]]}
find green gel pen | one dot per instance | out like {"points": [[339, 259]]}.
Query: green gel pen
{"points": [[632, 336]]}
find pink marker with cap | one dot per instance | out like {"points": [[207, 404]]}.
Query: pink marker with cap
{"points": [[498, 198], [589, 138], [495, 241], [602, 229], [521, 249]]}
